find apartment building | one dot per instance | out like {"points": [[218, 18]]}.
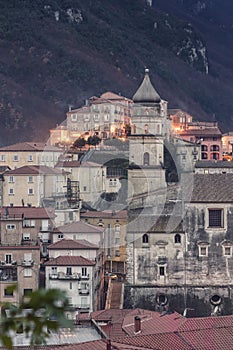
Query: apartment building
{"points": [[34, 186], [29, 153], [73, 274]]}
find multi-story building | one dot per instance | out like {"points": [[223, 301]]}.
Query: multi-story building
{"points": [[29, 153], [75, 275], [105, 116], [34, 186], [73, 248], [114, 223]]}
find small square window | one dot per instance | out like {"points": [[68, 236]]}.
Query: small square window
{"points": [[30, 179], [27, 291], [27, 272], [8, 292], [30, 158], [203, 251], [2, 158], [215, 218], [15, 158], [11, 179]]}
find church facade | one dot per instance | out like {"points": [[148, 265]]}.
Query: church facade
{"points": [[179, 235]]}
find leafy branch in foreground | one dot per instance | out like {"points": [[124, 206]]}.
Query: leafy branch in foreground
{"points": [[41, 311]]}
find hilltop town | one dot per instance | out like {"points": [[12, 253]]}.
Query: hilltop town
{"points": [[128, 208]]}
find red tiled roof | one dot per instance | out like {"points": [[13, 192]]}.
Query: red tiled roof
{"points": [[78, 227], [106, 214], [152, 322], [27, 212], [30, 147], [202, 132], [70, 261], [164, 341], [33, 170], [72, 244], [112, 96], [206, 322]]}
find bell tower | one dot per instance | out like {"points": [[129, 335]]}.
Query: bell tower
{"points": [[146, 175]]}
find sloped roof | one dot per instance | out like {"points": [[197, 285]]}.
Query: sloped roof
{"points": [[146, 92], [34, 170], [212, 188], [79, 227], [68, 260], [72, 244], [30, 147], [213, 164], [201, 132], [27, 212], [106, 214]]}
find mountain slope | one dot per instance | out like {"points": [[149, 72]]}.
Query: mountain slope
{"points": [[59, 52]]}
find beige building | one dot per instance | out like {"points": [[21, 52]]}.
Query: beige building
{"points": [[34, 186], [105, 116], [73, 248], [29, 153], [114, 224]]}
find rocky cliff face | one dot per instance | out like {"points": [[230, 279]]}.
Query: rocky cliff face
{"points": [[58, 53]]}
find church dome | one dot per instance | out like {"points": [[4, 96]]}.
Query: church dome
{"points": [[146, 93]]}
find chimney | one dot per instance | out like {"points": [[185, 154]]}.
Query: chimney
{"points": [[108, 344], [137, 324]]}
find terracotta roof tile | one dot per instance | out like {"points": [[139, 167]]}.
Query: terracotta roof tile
{"points": [[33, 170], [70, 261], [27, 212], [213, 164], [31, 147], [72, 244], [78, 227], [202, 132], [106, 214]]}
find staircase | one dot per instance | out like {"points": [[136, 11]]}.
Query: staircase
{"points": [[115, 295]]}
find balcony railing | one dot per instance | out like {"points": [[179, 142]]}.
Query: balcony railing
{"points": [[86, 277], [63, 276], [84, 291], [27, 263], [8, 263], [8, 278]]}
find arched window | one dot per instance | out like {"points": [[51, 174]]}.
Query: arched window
{"points": [[145, 238], [204, 148], [177, 238], [146, 159], [146, 128]]}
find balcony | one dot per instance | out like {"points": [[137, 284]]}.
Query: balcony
{"points": [[46, 228], [84, 291], [8, 263], [27, 263], [85, 277], [63, 276]]}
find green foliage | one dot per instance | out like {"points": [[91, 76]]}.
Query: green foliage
{"points": [[93, 140], [79, 143], [39, 312]]}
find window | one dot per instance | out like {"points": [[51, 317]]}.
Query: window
{"points": [[30, 191], [30, 179], [27, 272], [11, 191], [146, 159], [117, 241], [161, 251], [117, 253], [8, 292], [204, 148], [28, 256], [84, 188], [203, 250], [74, 117], [26, 236], [84, 271], [146, 128], [27, 291], [10, 227], [2, 158], [227, 251], [60, 236], [215, 218], [177, 238], [8, 258], [54, 270], [71, 285], [11, 179], [69, 271], [145, 238], [16, 158], [30, 158], [161, 271]]}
